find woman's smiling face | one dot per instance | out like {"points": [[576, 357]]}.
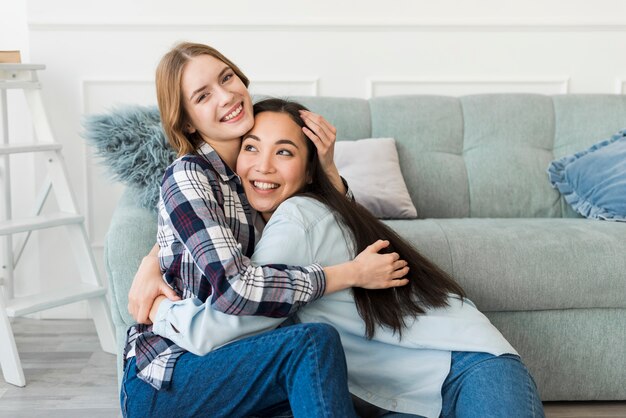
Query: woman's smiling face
{"points": [[272, 163], [216, 100]]}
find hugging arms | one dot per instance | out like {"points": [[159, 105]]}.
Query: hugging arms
{"points": [[442, 334]]}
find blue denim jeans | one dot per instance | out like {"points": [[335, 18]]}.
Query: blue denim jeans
{"points": [[301, 365], [482, 385]]}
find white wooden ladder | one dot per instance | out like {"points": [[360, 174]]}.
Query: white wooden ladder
{"points": [[89, 286]]}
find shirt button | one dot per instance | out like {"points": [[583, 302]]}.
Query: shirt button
{"points": [[369, 395], [394, 404]]}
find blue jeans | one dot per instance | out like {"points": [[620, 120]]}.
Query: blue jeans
{"points": [[482, 385], [301, 365]]}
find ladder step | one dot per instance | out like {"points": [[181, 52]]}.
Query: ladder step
{"points": [[51, 220], [24, 85], [19, 67], [64, 296], [28, 147]]}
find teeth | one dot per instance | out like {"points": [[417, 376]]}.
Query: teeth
{"points": [[235, 113], [265, 186]]}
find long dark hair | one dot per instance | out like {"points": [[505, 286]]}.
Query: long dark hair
{"points": [[429, 286]]}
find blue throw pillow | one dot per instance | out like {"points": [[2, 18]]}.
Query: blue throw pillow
{"points": [[593, 181]]}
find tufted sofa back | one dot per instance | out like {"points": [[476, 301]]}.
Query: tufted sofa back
{"points": [[480, 156]]}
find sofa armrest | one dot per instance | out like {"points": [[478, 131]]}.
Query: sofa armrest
{"points": [[131, 235]]}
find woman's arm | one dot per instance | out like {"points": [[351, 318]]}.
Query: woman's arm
{"points": [[195, 217], [198, 328], [148, 282], [239, 287]]}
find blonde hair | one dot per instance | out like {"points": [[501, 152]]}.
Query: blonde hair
{"points": [[169, 74]]}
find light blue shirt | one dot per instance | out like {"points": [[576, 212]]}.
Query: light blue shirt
{"points": [[403, 375]]}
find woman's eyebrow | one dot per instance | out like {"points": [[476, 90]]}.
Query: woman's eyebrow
{"points": [[286, 141], [222, 72], [279, 142]]}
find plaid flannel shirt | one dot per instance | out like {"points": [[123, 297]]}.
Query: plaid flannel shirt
{"points": [[206, 236]]}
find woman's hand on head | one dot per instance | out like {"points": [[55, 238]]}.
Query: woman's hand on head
{"points": [[147, 285], [380, 271], [323, 134]]}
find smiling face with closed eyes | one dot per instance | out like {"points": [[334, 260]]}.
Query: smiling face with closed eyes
{"points": [[272, 163]]}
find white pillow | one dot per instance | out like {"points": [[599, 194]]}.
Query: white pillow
{"points": [[372, 170]]}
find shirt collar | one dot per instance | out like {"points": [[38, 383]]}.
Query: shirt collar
{"points": [[209, 154]]}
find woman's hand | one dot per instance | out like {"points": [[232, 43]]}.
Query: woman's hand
{"points": [[155, 307], [323, 135], [369, 270], [380, 271], [147, 285]]}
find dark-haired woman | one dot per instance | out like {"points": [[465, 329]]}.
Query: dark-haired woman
{"points": [[422, 349]]}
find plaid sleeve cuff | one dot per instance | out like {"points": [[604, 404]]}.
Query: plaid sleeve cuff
{"points": [[318, 280]]}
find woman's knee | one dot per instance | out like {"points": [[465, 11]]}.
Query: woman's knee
{"points": [[498, 386], [322, 332], [502, 372], [322, 337]]}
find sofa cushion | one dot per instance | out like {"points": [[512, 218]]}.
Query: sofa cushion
{"points": [[572, 354], [507, 144], [527, 264], [429, 136], [593, 181]]}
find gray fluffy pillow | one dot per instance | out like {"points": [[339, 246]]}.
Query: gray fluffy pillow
{"points": [[131, 144]]}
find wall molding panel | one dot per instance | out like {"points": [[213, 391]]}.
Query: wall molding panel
{"points": [[458, 86], [620, 85], [299, 24]]}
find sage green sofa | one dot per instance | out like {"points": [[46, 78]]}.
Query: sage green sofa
{"points": [[475, 167]]}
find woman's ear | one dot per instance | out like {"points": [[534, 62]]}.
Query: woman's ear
{"points": [[189, 129]]}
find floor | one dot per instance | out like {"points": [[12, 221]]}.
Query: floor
{"points": [[68, 376]]}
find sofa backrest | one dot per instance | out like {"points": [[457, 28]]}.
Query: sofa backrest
{"points": [[481, 156]]}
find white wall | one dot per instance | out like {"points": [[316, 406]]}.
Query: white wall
{"points": [[102, 53]]}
